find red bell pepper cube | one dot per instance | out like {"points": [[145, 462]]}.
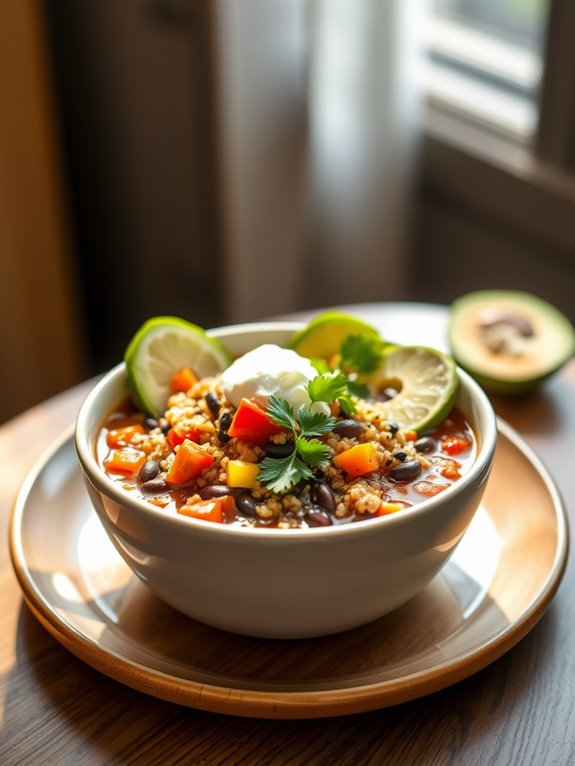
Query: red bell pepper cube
{"points": [[179, 433], [252, 424], [454, 445]]}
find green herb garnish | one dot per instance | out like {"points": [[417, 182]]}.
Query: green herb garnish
{"points": [[281, 474], [308, 452], [327, 387], [358, 354]]}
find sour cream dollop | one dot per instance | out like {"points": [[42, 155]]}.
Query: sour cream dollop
{"points": [[267, 370]]}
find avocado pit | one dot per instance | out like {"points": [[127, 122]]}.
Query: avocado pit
{"points": [[504, 332]]}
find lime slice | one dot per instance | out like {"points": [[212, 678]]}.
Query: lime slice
{"points": [[323, 335], [426, 381], [161, 347]]}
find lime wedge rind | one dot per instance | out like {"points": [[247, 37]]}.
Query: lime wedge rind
{"points": [[162, 346], [322, 336]]}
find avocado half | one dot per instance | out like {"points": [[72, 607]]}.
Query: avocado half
{"points": [[509, 341]]}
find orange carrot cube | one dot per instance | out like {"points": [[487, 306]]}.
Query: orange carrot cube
{"points": [[358, 460]]}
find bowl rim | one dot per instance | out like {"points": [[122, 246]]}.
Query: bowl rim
{"points": [[84, 443]]}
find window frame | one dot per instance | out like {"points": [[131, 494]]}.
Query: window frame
{"points": [[528, 185], [555, 136]]}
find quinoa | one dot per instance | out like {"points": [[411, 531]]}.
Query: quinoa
{"points": [[188, 416]]}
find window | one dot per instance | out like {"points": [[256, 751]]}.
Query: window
{"points": [[498, 159], [486, 59]]}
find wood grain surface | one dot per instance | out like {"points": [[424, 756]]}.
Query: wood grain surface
{"points": [[519, 710]]}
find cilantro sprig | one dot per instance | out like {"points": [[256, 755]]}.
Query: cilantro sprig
{"points": [[333, 386], [281, 474], [358, 354]]}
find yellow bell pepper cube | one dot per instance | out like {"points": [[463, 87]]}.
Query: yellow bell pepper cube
{"points": [[242, 474]]}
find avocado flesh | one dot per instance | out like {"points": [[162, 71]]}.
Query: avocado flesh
{"points": [[509, 340]]}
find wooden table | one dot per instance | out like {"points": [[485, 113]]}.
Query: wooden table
{"points": [[519, 710]]}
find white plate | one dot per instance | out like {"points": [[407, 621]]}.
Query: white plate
{"points": [[492, 592]]}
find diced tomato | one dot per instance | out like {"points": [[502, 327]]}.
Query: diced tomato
{"points": [[125, 461], [358, 460], [182, 380], [179, 433], [120, 437], [410, 436], [252, 424], [450, 470], [454, 445], [213, 510], [429, 488], [190, 461]]}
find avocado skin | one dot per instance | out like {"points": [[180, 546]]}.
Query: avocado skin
{"points": [[496, 384]]}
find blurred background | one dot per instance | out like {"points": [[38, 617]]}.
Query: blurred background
{"points": [[232, 160]]}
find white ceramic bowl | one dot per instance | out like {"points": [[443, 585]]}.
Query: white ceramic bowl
{"points": [[283, 583]]}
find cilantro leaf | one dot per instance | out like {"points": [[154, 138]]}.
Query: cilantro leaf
{"points": [[315, 423], [347, 404], [282, 474], [327, 387], [281, 412], [314, 452], [361, 353]]}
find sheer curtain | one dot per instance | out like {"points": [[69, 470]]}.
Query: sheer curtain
{"points": [[318, 139]]}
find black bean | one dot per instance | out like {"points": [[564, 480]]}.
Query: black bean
{"points": [[214, 490], [155, 486], [149, 470], [246, 505], [278, 450], [150, 423], [213, 403], [298, 488], [225, 421], [393, 428], [164, 425], [400, 455], [425, 444], [322, 495], [319, 519], [406, 471], [349, 429]]}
